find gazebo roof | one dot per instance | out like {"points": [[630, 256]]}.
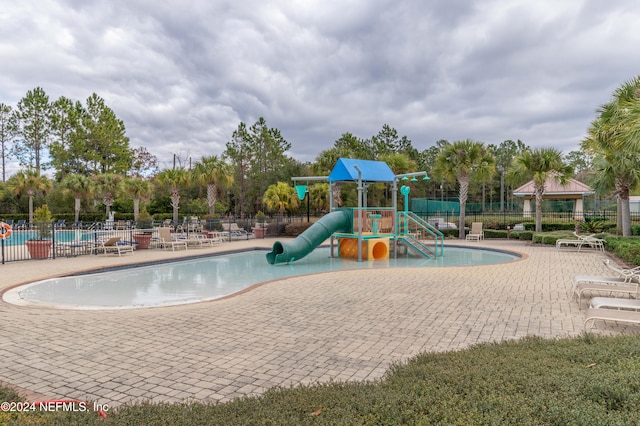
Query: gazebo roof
{"points": [[372, 171], [552, 188]]}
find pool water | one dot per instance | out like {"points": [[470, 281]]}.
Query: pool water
{"points": [[211, 278], [65, 236]]}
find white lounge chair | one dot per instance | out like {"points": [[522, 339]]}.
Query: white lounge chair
{"points": [[581, 241], [611, 315], [627, 273], [476, 232], [113, 246], [235, 232], [569, 242], [614, 303], [611, 285], [591, 241], [198, 240], [166, 240]]}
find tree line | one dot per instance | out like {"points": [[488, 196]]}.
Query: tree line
{"points": [[95, 170]]}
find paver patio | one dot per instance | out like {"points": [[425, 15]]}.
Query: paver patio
{"points": [[339, 326]]}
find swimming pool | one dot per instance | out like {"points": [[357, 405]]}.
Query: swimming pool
{"points": [[65, 236], [197, 280]]}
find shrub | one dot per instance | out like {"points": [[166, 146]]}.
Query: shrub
{"points": [[592, 226], [295, 229], [492, 233], [42, 217], [276, 229], [525, 235]]}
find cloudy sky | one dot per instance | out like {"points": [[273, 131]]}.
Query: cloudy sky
{"points": [[183, 74]]}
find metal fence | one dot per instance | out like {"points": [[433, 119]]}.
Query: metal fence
{"points": [[66, 240], [54, 240]]}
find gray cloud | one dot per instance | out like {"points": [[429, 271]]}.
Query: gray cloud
{"points": [[182, 76]]}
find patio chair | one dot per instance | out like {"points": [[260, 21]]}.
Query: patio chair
{"points": [[628, 273], [235, 232], [591, 241], [21, 224], [199, 240], [569, 242], [476, 232], [611, 315], [166, 240], [113, 246], [611, 285], [614, 303], [122, 225]]}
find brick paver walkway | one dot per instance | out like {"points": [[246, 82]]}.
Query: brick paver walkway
{"points": [[335, 326]]}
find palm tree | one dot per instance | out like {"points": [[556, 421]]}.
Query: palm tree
{"points": [[399, 163], [29, 182], [326, 161], [213, 173], [622, 116], [138, 189], [615, 165], [319, 196], [614, 139], [80, 186], [463, 161], [108, 187], [280, 197], [173, 179], [540, 164]]}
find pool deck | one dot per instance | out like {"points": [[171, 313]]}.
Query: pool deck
{"points": [[340, 326]]}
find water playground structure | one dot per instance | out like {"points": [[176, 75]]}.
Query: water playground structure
{"points": [[363, 232]]}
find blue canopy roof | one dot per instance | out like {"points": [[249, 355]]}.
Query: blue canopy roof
{"points": [[372, 171]]}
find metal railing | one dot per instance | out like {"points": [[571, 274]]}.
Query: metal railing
{"points": [[59, 239]]}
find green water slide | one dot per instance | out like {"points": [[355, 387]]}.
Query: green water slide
{"points": [[303, 244]]}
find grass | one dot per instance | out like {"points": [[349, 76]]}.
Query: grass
{"points": [[587, 380]]}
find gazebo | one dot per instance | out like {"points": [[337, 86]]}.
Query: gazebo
{"points": [[572, 190]]}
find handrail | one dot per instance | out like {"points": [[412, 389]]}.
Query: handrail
{"points": [[419, 246], [410, 217]]}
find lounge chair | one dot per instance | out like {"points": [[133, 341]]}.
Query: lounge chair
{"points": [[614, 303], [476, 232], [60, 224], [628, 273], [582, 240], [569, 242], [201, 240], [122, 225], [611, 315], [113, 246], [591, 241], [21, 224], [588, 283], [235, 232], [166, 240]]}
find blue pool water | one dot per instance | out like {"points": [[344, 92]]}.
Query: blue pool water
{"points": [[64, 236], [196, 280]]}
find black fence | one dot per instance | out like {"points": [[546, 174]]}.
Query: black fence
{"points": [[71, 239], [24, 241], [500, 220]]}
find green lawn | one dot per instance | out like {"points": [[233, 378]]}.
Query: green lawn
{"points": [[581, 381]]}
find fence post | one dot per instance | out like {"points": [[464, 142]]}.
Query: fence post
{"points": [[53, 240]]}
